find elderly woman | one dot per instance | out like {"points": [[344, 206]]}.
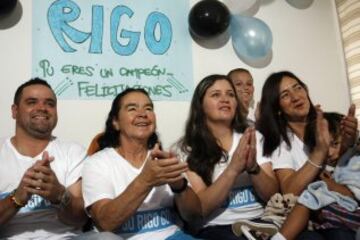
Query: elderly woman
{"points": [[286, 109], [129, 186], [226, 167]]}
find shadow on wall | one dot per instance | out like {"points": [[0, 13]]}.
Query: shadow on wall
{"points": [[11, 19], [212, 43], [258, 63], [304, 4], [266, 2]]}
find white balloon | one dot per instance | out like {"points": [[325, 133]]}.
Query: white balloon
{"points": [[301, 4], [243, 7]]}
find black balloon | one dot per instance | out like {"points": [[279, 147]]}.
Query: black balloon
{"points": [[209, 18], [7, 6]]}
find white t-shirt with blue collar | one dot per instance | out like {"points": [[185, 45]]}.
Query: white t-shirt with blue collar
{"points": [[107, 174], [242, 202], [38, 219]]}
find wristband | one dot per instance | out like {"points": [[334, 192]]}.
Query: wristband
{"points": [[314, 164], [182, 188], [16, 202]]}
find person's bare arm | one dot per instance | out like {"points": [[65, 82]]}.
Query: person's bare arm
{"points": [[187, 202], [348, 127], [213, 196], [263, 179], [295, 182], [71, 206], [334, 186], [109, 214], [295, 222], [265, 182], [42, 180], [10, 205], [7, 210]]}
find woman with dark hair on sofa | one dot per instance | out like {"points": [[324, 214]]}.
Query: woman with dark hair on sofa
{"points": [[226, 167]]}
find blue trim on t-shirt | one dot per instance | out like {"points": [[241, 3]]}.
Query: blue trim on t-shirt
{"points": [[240, 197], [148, 221]]}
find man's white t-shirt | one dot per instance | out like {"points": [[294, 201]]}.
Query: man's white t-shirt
{"points": [[107, 174], [242, 202], [293, 157], [38, 219]]}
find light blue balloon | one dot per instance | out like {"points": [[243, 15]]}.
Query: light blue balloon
{"points": [[251, 37]]}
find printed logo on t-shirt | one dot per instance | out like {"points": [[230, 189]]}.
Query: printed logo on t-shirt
{"points": [[35, 203], [148, 221], [240, 197]]}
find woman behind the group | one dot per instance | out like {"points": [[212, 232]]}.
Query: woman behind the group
{"points": [[129, 185], [286, 109], [244, 85], [225, 166]]}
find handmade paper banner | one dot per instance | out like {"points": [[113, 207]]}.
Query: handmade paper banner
{"points": [[94, 49]]}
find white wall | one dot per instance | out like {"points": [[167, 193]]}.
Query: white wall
{"points": [[306, 42]]}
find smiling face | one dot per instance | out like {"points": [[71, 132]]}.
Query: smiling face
{"points": [[136, 117], [219, 102], [36, 113], [244, 85], [294, 100]]}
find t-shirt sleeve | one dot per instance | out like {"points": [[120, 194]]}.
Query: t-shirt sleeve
{"points": [[76, 155], [96, 182], [281, 158]]}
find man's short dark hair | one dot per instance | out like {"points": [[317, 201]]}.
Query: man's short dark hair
{"points": [[33, 81]]}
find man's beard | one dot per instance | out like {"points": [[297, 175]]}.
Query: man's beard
{"points": [[40, 130]]}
